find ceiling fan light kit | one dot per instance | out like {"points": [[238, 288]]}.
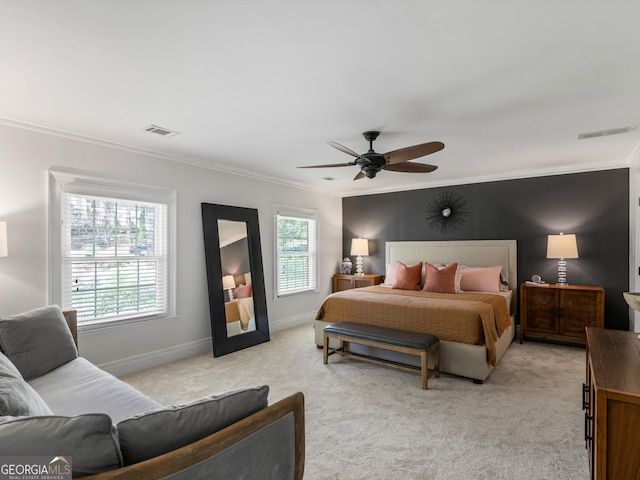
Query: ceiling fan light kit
{"points": [[371, 163]]}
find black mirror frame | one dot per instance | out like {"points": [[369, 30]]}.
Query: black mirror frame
{"points": [[223, 344]]}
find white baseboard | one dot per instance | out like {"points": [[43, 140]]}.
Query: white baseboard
{"points": [[290, 322], [136, 363]]}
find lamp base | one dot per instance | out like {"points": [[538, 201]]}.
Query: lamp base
{"points": [[359, 265], [562, 273]]}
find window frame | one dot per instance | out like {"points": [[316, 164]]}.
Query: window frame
{"points": [[81, 183], [301, 213]]}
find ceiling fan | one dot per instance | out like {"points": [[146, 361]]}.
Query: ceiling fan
{"points": [[371, 163]]}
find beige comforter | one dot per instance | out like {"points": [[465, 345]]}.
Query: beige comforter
{"points": [[240, 309], [472, 318]]}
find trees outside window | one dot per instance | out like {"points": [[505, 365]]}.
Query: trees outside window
{"points": [[112, 252], [296, 255]]}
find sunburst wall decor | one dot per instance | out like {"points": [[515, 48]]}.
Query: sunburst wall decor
{"points": [[445, 211]]}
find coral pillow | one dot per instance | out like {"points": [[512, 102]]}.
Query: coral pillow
{"points": [[441, 280], [481, 279], [408, 278], [243, 291]]}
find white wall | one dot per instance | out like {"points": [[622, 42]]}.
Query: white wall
{"points": [[634, 239], [26, 156]]}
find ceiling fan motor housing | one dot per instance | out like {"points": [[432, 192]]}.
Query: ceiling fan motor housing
{"points": [[371, 171]]}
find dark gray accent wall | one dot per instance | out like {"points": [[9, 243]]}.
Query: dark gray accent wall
{"points": [[593, 205], [234, 260]]}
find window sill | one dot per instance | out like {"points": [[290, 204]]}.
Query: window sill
{"points": [[297, 292], [98, 325]]}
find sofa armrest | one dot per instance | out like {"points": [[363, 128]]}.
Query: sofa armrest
{"points": [[204, 453], [71, 316]]}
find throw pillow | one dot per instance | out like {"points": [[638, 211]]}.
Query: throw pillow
{"points": [[37, 341], [390, 274], [17, 397], [155, 433], [458, 274], [442, 280], [485, 279], [244, 291], [90, 440], [408, 278]]}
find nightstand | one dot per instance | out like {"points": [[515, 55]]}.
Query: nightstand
{"points": [[560, 313], [346, 282]]}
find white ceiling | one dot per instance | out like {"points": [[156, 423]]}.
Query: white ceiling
{"points": [[259, 86]]}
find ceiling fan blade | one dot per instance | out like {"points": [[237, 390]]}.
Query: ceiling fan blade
{"points": [[410, 167], [359, 176], [331, 165], [409, 153], [344, 149]]}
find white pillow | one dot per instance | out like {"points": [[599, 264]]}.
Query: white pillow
{"points": [[390, 274]]}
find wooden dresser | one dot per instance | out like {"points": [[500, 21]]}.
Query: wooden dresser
{"points": [[611, 400], [342, 281], [560, 313]]}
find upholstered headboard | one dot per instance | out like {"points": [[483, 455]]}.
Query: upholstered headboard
{"points": [[472, 253]]}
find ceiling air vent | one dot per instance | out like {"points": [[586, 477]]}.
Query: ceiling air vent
{"points": [[165, 132], [604, 133]]}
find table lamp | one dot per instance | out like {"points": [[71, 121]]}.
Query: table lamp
{"points": [[359, 247], [229, 283], [562, 246]]}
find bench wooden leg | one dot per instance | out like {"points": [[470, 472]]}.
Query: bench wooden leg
{"points": [[424, 367], [326, 349], [424, 360]]}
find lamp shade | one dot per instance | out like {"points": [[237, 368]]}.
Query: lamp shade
{"points": [[4, 247], [360, 246], [562, 246], [228, 282]]}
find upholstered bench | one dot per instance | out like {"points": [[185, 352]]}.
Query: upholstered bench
{"points": [[414, 343]]}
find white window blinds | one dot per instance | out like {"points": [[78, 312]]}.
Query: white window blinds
{"points": [[112, 248], [296, 254], [114, 262]]}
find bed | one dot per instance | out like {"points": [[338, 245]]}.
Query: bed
{"points": [[475, 329], [240, 316]]}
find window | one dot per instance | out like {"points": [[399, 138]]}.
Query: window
{"points": [[296, 255], [111, 246]]}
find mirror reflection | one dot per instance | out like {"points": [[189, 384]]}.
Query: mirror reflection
{"points": [[237, 299], [236, 277]]}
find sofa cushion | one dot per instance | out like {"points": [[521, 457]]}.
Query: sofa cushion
{"points": [[79, 387], [155, 433], [16, 395], [37, 341], [8, 369], [90, 440]]}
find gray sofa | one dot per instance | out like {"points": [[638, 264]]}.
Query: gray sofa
{"points": [[56, 403]]}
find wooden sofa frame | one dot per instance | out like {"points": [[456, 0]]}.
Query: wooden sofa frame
{"points": [[175, 461]]}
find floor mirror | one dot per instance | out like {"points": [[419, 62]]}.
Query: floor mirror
{"points": [[237, 299]]}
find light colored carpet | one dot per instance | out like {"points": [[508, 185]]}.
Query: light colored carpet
{"points": [[366, 421]]}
